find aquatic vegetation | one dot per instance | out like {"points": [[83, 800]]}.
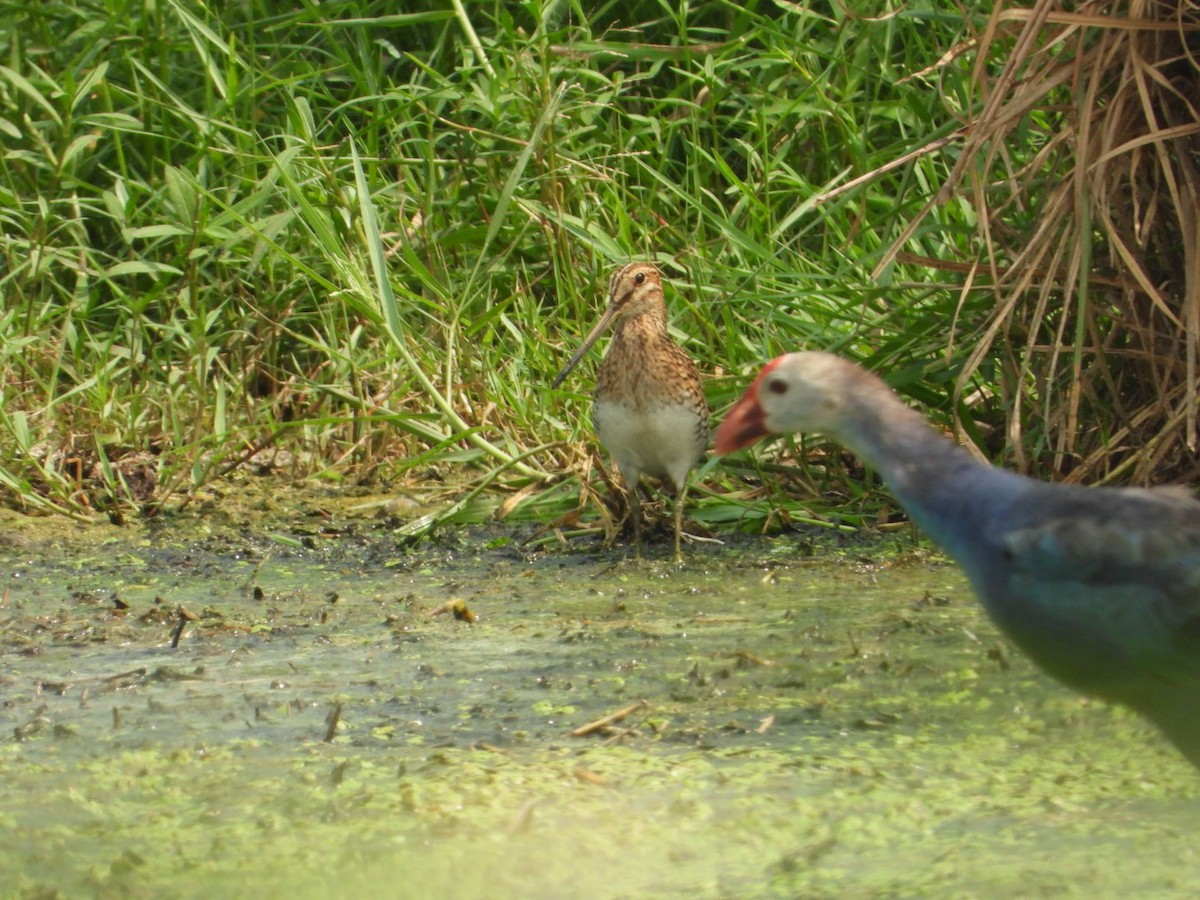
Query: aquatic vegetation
{"points": [[759, 725]]}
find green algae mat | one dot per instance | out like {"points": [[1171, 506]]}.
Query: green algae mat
{"points": [[284, 702]]}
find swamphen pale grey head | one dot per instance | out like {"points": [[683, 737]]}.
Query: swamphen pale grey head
{"points": [[1100, 586]]}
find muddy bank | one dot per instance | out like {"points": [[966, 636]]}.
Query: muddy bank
{"points": [[268, 693]]}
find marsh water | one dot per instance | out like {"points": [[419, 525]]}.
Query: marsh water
{"points": [[276, 698]]}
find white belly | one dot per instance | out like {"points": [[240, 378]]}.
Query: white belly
{"points": [[662, 442]]}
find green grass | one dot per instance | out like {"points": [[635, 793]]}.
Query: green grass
{"points": [[364, 242]]}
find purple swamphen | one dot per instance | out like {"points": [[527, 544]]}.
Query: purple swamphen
{"points": [[1100, 586]]}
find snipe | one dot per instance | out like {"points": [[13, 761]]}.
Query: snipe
{"points": [[648, 406]]}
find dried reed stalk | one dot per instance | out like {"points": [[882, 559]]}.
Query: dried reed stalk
{"points": [[1090, 245]]}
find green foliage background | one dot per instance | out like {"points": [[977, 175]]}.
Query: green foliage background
{"points": [[364, 241]]}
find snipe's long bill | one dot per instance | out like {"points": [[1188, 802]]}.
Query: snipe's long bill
{"points": [[606, 319]]}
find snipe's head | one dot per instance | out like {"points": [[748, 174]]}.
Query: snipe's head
{"points": [[633, 290]]}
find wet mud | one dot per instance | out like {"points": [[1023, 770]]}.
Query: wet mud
{"points": [[270, 693]]}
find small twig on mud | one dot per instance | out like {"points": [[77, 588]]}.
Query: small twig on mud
{"points": [[618, 735], [331, 723], [523, 821], [185, 616], [124, 680], [745, 656], [604, 722], [587, 776]]}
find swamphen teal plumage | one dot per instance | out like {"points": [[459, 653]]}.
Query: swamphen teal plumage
{"points": [[1100, 586]]}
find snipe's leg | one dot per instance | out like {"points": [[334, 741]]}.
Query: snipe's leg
{"points": [[635, 511], [679, 497]]}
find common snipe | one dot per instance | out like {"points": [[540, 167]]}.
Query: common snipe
{"points": [[649, 407]]}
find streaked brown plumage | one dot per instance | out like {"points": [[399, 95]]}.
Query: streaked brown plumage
{"points": [[649, 407]]}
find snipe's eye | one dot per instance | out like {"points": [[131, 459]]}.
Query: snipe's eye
{"points": [[639, 278], [777, 386]]}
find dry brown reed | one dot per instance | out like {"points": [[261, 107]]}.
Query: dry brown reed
{"points": [[1089, 245]]}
